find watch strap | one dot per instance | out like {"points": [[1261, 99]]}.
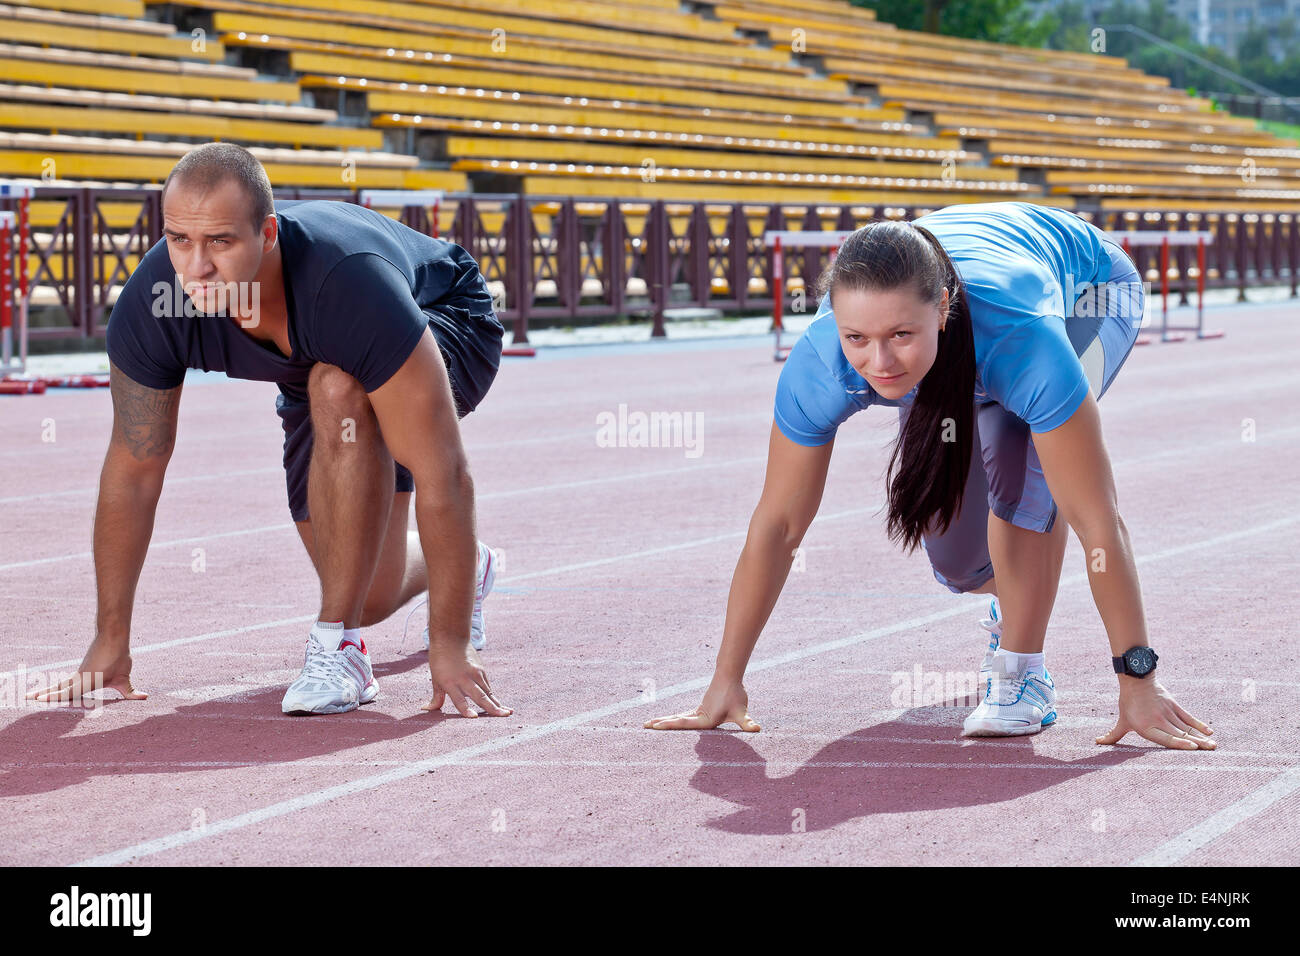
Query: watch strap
{"points": [[1121, 663]]}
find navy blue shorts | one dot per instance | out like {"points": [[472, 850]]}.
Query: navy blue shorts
{"points": [[472, 353]]}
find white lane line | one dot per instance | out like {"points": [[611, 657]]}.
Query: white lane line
{"points": [[511, 493], [1075, 767], [1207, 447], [1153, 556], [176, 642], [669, 548], [285, 807], [588, 482], [473, 448], [1034, 744], [1210, 829], [1079, 767], [1223, 538], [582, 483], [487, 496], [82, 555], [179, 480], [213, 635]]}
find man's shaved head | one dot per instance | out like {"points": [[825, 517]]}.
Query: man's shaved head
{"points": [[205, 167], [212, 197]]}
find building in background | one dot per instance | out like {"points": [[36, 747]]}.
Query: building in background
{"points": [[1216, 23], [1222, 23]]}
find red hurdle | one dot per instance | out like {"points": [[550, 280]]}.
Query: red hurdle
{"points": [[15, 240], [778, 240]]}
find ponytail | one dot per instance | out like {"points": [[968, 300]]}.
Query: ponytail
{"points": [[932, 456]]}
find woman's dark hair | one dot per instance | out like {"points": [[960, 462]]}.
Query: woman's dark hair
{"points": [[931, 458]]}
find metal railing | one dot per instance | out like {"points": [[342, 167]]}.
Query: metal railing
{"points": [[566, 258]]}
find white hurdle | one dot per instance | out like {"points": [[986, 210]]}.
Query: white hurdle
{"points": [[778, 241], [388, 198]]}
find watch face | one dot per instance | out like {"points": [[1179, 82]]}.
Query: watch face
{"points": [[1140, 660]]}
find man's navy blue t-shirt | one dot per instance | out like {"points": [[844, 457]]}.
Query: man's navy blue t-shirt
{"points": [[360, 289]]}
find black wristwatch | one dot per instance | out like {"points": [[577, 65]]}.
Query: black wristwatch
{"points": [[1137, 661]]}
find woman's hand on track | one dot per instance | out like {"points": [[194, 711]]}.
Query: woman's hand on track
{"points": [[723, 704], [112, 659], [1150, 711], [459, 674]]}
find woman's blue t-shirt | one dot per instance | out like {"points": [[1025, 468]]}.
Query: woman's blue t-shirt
{"points": [[1020, 265]]}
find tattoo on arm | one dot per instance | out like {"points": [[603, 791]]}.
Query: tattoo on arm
{"points": [[144, 419]]}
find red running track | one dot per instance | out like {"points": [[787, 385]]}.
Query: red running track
{"points": [[617, 566]]}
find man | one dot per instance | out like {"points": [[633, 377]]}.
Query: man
{"points": [[380, 339]]}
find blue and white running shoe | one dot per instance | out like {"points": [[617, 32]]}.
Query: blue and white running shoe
{"points": [[1014, 703], [992, 624]]}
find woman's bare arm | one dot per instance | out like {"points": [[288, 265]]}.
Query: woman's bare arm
{"points": [[1078, 472], [792, 493]]}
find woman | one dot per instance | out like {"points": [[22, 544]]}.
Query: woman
{"points": [[1030, 312]]}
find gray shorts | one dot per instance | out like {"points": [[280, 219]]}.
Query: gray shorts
{"points": [[1006, 477]]}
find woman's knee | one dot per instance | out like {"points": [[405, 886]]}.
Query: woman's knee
{"points": [[962, 578]]}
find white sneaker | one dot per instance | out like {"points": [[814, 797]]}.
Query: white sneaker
{"points": [[1015, 702], [487, 575], [992, 624], [336, 676]]}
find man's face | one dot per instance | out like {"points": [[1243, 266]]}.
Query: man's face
{"points": [[212, 243]]}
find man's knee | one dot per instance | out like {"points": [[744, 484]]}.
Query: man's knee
{"points": [[329, 385], [376, 610], [340, 409]]}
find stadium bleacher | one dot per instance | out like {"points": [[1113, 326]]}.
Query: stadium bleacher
{"points": [[645, 100], [717, 101]]}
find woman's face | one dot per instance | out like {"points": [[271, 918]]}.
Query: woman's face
{"points": [[891, 337]]}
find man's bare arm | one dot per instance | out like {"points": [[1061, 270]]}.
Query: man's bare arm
{"points": [[417, 416], [144, 419], [139, 447], [144, 433]]}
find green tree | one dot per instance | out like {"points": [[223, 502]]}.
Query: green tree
{"points": [[1075, 31], [1255, 57], [1001, 21], [1067, 26]]}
